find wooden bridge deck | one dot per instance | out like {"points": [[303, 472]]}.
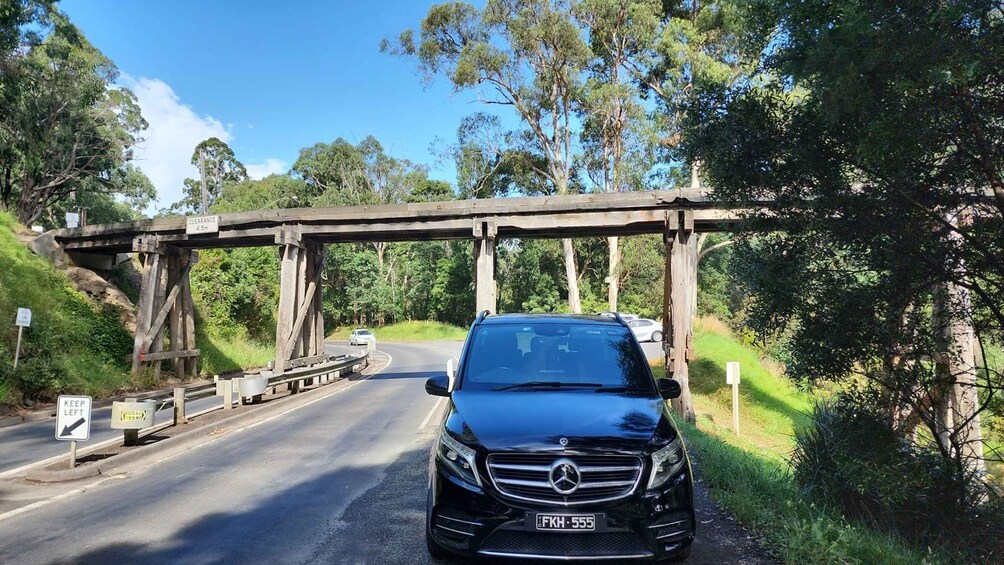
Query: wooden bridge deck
{"points": [[630, 213]]}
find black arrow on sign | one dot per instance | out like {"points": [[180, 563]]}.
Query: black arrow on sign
{"points": [[67, 430]]}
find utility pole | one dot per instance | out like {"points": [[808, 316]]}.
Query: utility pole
{"points": [[202, 171]]}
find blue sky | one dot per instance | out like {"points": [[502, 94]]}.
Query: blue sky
{"points": [[270, 78]]}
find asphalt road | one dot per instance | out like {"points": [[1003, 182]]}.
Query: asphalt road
{"points": [[338, 480], [268, 493], [33, 441]]}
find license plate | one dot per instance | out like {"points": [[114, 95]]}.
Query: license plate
{"points": [[566, 522]]}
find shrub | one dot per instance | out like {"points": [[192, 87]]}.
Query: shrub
{"points": [[852, 458]]}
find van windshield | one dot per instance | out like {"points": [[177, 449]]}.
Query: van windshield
{"points": [[551, 356]]}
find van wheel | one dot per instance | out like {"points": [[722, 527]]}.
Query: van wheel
{"points": [[435, 551], [656, 336]]}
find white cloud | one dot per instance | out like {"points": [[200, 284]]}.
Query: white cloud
{"points": [[175, 129], [271, 166]]}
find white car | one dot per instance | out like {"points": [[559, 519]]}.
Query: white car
{"points": [[361, 336], [645, 329]]}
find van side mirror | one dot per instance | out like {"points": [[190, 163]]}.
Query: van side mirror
{"points": [[670, 388], [438, 386]]}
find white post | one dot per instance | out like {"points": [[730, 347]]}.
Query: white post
{"points": [[17, 350], [228, 394], [732, 378], [73, 454]]}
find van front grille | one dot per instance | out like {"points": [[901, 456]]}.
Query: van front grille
{"points": [[525, 476]]}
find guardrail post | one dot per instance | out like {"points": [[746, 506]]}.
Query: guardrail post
{"points": [[179, 406], [228, 394]]}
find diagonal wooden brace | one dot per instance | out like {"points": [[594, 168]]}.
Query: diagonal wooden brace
{"points": [[164, 310]]}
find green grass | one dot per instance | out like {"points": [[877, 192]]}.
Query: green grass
{"points": [[224, 353], [750, 475], [414, 330], [73, 345]]}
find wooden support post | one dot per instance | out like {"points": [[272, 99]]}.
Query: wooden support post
{"points": [[191, 365], [165, 294], [676, 307], [154, 340], [179, 407], [150, 259], [486, 298], [291, 251], [174, 318]]}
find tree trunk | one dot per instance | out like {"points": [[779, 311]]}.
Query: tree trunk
{"points": [[965, 402], [574, 303], [381, 247], [614, 272], [695, 175]]}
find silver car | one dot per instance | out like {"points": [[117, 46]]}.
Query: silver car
{"points": [[645, 329], [362, 336]]}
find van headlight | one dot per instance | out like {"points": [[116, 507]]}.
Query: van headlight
{"points": [[666, 462], [458, 458]]}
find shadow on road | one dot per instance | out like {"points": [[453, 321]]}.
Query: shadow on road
{"points": [[405, 375], [385, 525]]}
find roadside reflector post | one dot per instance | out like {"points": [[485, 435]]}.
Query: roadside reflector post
{"points": [[228, 394], [732, 378], [131, 416], [179, 406]]}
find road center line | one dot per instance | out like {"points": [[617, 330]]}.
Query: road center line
{"points": [[435, 408]]}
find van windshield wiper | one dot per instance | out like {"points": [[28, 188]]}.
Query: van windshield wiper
{"points": [[631, 390], [548, 384]]}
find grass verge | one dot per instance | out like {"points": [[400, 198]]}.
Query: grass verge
{"points": [[412, 330], [750, 475], [73, 345], [230, 352]]}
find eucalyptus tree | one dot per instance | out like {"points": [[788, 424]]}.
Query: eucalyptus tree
{"points": [[218, 167], [527, 56], [64, 125], [616, 143], [877, 129]]}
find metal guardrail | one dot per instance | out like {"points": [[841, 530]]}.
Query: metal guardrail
{"points": [[343, 364]]}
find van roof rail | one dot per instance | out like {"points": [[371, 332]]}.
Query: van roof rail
{"points": [[481, 316]]}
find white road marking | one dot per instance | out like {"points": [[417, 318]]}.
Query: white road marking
{"points": [[435, 408]]}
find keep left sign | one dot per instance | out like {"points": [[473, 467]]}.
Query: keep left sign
{"points": [[73, 418]]}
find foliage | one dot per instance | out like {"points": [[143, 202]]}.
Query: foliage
{"points": [[237, 288], [65, 128], [851, 457], [216, 160], [530, 56], [876, 130], [72, 345], [750, 475], [222, 352]]}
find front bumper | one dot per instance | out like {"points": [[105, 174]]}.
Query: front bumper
{"points": [[476, 521]]}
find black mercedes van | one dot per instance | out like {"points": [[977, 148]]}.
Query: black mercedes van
{"points": [[557, 444]]}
